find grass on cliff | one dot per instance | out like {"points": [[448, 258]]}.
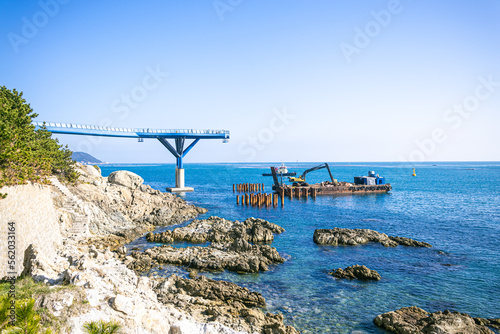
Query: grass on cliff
{"points": [[30, 317], [27, 154], [27, 288]]}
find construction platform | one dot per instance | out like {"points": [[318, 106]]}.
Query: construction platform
{"points": [[328, 188], [370, 184]]}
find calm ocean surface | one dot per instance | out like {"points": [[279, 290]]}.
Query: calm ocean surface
{"points": [[453, 206]]}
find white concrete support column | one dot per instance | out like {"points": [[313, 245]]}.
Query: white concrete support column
{"points": [[179, 177], [179, 183]]}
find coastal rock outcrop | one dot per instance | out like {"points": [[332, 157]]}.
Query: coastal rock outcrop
{"points": [[215, 229], [356, 272], [227, 303], [124, 206], [344, 236], [238, 256], [414, 320]]}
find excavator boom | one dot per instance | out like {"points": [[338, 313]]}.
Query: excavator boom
{"points": [[302, 178]]}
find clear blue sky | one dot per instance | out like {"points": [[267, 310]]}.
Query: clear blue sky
{"points": [[351, 80]]}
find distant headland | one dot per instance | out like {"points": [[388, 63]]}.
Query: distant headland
{"points": [[85, 158]]}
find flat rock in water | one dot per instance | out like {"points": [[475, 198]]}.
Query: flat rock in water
{"points": [[344, 236], [414, 320], [238, 256], [215, 229], [356, 272]]}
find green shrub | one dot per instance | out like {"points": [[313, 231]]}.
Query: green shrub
{"points": [[27, 154], [27, 319], [102, 327], [26, 292]]}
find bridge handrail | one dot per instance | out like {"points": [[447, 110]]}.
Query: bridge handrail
{"points": [[136, 130]]}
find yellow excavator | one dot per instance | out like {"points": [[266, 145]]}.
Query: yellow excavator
{"points": [[301, 180]]}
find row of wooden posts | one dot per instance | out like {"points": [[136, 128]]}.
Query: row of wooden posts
{"points": [[268, 200], [260, 199], [248, 187]]}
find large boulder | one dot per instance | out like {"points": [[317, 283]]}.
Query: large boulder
{"points": [[126, 179], [93, 171]]}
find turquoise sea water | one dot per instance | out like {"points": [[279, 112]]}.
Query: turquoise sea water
{"points": [[453, 206]]}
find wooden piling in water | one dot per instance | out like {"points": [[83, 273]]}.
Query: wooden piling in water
{"points": [[282, 197]]}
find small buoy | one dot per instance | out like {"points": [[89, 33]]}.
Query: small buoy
{"points": [[414, 174]]}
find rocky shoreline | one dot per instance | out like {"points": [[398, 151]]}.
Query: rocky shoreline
{"points": [[119, 209]]}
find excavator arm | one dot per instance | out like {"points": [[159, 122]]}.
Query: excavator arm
{"points": [[302, 178]]}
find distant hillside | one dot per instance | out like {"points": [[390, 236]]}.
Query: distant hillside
{"points": [[85, 158]]}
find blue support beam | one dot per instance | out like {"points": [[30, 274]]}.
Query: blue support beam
{"points": [[179, 145], [169, 147], [178, 152], [190, 147]]}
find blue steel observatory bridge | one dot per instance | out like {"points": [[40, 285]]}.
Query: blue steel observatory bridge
{"points": [[178, 135]]}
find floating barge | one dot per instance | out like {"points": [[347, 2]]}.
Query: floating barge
{"points": [[326, 188], [371, 184]]}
